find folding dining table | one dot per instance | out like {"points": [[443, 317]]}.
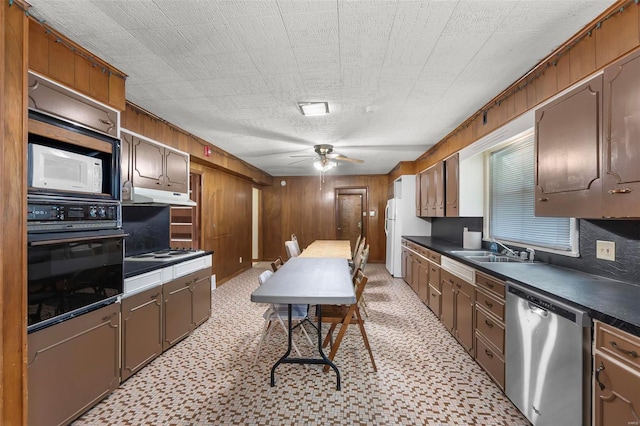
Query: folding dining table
{"points": [[328, 248], [310, 281]]}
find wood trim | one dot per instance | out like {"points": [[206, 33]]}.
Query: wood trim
{"points": [[64, 135], [13, 190]]}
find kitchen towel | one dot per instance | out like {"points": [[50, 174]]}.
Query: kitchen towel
{"points": [[471, 239]]}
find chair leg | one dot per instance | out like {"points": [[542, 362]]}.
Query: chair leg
{"points": [[286, 332], [363, 305], [329, 337], [265, 330], [366, 340]]}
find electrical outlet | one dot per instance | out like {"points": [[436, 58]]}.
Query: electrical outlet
{"points": [[606, 250], [240, 259]]}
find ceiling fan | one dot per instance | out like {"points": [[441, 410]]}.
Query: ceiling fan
{"points": [[327, 159]]}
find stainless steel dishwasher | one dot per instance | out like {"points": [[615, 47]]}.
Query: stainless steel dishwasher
{"points": [[548, 358]]}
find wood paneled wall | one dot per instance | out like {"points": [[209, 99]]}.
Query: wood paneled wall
{"points": [[576, 59], [226, 221], [13, 192], [302, 208], [51, 54]]}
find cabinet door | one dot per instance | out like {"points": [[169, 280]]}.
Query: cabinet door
{"points": [[409, 267], [617, 400], [435, 300], [434, 275], [141, 330], [567, 154], [201, 297], [438, 176], [431, 192], [452, 165], [177, 310], [447, 309], [73, 365], [126, 149], [176, 171], [415, 273], [148, 164], [424, 193], [418, 194], [403, 263], [423, 280], [621, 190], [464, 303]]}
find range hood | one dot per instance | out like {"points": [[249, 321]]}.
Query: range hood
{"points": [[155, 196]]}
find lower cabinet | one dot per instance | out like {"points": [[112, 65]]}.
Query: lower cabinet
{"points": [[457, 310], [141, 330], [201, 297], [178, 321], [73, 365], [616, 395], [422, 285]]}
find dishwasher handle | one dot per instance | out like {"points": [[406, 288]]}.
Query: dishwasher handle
{"points": [[538, 310], [550, 304]]}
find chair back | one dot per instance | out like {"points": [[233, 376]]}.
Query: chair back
{"points": [[277, 264], [293, 237], [264, 277], [292, 249], [365, 257], [359, 281], [355, 247]]}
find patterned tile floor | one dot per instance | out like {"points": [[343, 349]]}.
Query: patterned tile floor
{"points": [[424, 376]]}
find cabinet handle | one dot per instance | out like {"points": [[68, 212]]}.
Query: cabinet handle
{"points": [[450, 280], [155, 295], [489, 354], [619, 191], [543, 199], [598, 371], [104, 121], [108, 317], [458, 285], [433, 295], [490, 285], [489, 323], [158, 183], [489, 304], [632, 354]]}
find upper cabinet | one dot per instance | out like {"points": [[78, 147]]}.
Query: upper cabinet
{"points": [[588, 147], [451, 188], [568, 135], [147, 164], [621, 153]]}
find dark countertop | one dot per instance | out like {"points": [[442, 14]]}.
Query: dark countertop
{"points": [[138, 267], [610, 301]]}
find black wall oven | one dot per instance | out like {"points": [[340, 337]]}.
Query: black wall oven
{"points": [[75, 237]]}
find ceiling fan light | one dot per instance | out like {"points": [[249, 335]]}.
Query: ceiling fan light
{"points": [[311, 109], [324, 166]]}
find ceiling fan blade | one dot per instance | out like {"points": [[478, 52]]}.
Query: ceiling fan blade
{"points": [[351, 160], [297, 162], [303, 156]]}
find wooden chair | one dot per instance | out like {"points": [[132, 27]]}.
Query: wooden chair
{"points": [[277, 264], [355, 247], [363, 264], [345, 315], [295, 241]]}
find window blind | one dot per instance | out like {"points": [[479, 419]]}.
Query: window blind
{"points": [[512, 196]]}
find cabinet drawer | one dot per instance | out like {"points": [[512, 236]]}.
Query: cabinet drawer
{"points": [[490, 361], [618, 344], [435, 300], [491, 329], [433, 256], [490, 303], [434, 275], [490, 283]]}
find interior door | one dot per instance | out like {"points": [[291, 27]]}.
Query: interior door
{"points": [[349, 217]]}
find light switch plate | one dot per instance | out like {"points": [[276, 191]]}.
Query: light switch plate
{"points": [[606, 250]]}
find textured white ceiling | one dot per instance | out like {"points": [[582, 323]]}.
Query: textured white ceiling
{"points": [[399, 75]]}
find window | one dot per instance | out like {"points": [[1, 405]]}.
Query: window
{"points": [[511, 202]]}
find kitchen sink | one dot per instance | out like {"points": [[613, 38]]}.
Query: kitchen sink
{"points": [[467, 253], [492, 258]]}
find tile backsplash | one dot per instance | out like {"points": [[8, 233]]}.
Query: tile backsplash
{"points": [[148, 228]]}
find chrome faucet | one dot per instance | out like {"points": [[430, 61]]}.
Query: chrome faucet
{"points": [[507, 249], [532, 253]]}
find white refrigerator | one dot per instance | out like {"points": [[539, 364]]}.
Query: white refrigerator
{"points": [[400, 219]]}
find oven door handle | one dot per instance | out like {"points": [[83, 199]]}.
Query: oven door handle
{"points": [[72, 240]]}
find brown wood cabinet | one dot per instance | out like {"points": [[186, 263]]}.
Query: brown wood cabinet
{"points": [[422, 284], [616, 377], [457, 312], [451, 181], [183, 232], [435, 294], [201, 297], [490, 326], [424, 194], [432, 191], [73, 365], [418, 194], [567, 153], [155, 167], [178, 322], [621, 153], [404, 259], [141, 330]]}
